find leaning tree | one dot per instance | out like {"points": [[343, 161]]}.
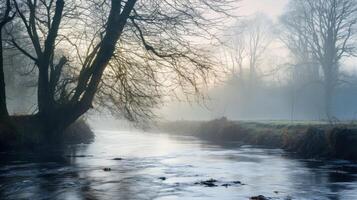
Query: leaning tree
{"points": [[121, 54], [326, 30]]}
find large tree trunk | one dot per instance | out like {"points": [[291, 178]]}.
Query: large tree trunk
{"points": [[43, 93], [58, 120], [45, 100], [330, 82], [55, 117], [3, 109], [328, 100]]}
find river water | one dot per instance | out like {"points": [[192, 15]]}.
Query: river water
{"points": [[162, 167]]}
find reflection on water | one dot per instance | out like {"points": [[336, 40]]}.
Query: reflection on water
{"points": [[77, 171]]}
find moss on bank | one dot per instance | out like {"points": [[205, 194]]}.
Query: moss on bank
{"points": [[25, 132], [308, 140]]}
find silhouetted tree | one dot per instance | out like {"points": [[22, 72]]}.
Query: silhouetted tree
{"points": [[114, 53], [7, 15]]}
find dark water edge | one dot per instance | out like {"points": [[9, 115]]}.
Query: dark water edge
{"points": [[161, 166], [21, 135]]}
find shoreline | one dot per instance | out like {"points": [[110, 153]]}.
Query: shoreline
{"points": [[322, 141], [21, 134]]}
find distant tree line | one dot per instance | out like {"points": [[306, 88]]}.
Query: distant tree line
{"points": [[318, 34]]}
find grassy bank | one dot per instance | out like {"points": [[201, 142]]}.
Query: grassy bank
{"points": [[314, 140], [23, 132]]}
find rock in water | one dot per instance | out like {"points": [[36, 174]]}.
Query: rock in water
{"points": [[107, 169], [260, 197], [208, 183], [226, 185]]}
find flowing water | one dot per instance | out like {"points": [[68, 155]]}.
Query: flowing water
{"points": [[160, 166]]}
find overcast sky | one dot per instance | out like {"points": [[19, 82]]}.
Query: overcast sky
{"points": [[272, 8]]}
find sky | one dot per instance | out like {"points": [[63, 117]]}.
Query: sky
{"points": [[273, 8]]}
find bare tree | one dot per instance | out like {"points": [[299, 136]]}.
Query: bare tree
{"points": [[7, 14], [305, 68], [114, 53], [238, 52], [259, 40], [326, 29], [249, 41]]}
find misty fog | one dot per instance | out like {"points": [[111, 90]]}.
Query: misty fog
{"points": [[178, 99], [265, 80], [261, 82]]}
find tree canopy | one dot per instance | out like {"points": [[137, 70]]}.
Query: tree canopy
{"points": [[123, 55]]}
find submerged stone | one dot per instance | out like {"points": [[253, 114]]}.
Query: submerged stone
{"points": [[260, 197], [107, 169], [208, 183]]}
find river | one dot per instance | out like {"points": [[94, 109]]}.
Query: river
{"points": [[163, 167]]}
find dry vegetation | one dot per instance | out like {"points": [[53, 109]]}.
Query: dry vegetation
{"points": [[316, 140]]}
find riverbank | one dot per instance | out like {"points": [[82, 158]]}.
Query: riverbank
{"points": [[21, 133], [316, 140]]}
